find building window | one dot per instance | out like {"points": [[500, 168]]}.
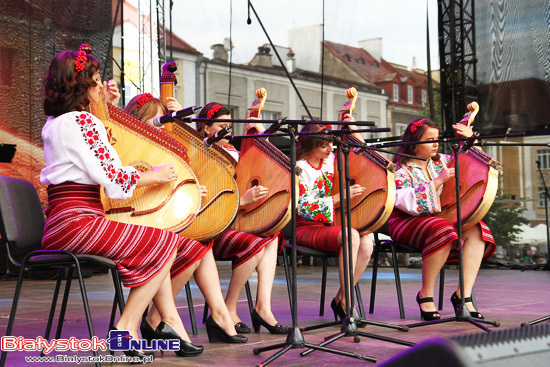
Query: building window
{"points": [[410, 94], [360, 61], [395, 93], [424, 97], [347, 58], [270, 115], [543, 156], [375, 64], [400, 128], [540, 203]]}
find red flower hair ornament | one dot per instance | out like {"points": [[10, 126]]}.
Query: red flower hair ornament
{"points": [[213, 111], [143, 99], [415, 125]]}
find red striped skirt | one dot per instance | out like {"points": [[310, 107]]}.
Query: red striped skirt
{"points": [[241, 246], [317, 235], [430, 234], [76, 223]]}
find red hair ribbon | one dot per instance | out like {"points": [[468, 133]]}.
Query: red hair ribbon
{"points": [[80, 61], [415, 125], [213, 111], [143, 99]]}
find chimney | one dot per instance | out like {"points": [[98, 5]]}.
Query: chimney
{"points": [[220, 52], [373, 46], [414, 62], [290, 62], [262, 57]]}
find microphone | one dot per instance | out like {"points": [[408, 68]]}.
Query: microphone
{"points": [[274, 127], [469, 143], [216, 137], [538, 164], [249, 21], [175, 116]]}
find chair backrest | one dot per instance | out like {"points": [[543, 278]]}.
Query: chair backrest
{"points": [[21, 215]]}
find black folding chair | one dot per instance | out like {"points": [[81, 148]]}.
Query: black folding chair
{"points": [[21, 228], [393, 248]]}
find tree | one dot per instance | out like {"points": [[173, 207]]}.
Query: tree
{"points": [[504, 219]]}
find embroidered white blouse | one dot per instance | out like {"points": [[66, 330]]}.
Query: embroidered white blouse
{"points": [[315, 201], [77, 149], [415, 192]]}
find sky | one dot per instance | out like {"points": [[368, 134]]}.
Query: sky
{"points": [[400, 23]]}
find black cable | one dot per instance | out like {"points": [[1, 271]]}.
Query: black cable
{"points": [[230, 51]]}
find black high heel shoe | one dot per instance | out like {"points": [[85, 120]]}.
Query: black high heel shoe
{"points": [[144, 357], [257, 321], [337, 309], [456, 301], [427, 315], [187, 349], [147, 332], [217, 334], [242, 328], [339, 312]]}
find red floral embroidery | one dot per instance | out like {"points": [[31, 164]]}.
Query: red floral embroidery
{"points": [[91, 136], [302, 190], [320, 218], [314, 207], [398, 183]]}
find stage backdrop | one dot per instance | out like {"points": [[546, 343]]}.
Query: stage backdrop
{"points": [[32, 32]]}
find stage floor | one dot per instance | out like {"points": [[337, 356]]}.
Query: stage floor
{"points": [[508, 296]]}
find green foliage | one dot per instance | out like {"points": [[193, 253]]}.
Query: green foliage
{"points": [[504, 220]]}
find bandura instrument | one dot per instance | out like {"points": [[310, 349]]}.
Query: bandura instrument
{"points": [[478, 182], [214, 168], [261, 163], [374, 172], [171, 206]]}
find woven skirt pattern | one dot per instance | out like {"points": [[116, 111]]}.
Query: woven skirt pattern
{"points": [[430, 234], [76, 223]]}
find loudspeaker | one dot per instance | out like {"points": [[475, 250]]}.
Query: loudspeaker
{"points": [[526, 346]]}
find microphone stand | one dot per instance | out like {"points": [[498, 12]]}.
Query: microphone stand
{"points": [[349, 324], [462, 314], [295, 338], [546, 197]]}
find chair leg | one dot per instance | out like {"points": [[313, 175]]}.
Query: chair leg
{"points": [[359, 300], [373, 281], [249, 298], [189, 297], [64, 303], [14, 304], [54, 304], [205, 312], [86, 306], [397, 282], [287, 275], [441, 288], [323, 287]]}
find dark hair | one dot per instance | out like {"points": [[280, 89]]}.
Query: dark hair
{"points": [[307, 143], [63, 92], [222, 110], [148, 110], [418, 126]]}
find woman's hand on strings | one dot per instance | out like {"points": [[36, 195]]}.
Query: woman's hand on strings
{"points": [[203, 191], [111, 93], [253, 195], [463, 130], [354, 191], [445, 176], [165, 174], [255, 123], [173, 105]]}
